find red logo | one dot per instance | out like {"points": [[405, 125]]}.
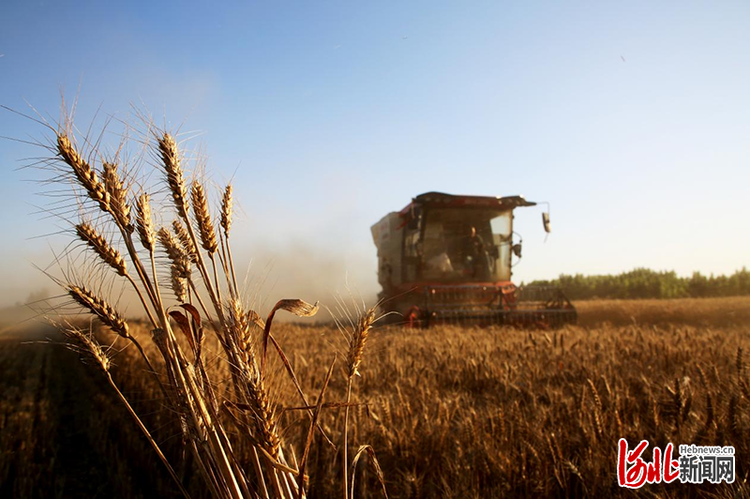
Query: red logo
{"points": [[633, 471]]}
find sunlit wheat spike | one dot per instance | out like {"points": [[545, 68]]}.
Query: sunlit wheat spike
{"points": [[203, 218], [175, 252], [170, 157], [259, 405], [262, 413], [101, 247], [185, 239], [143, 221], [83, 172], [226, 210], [86, 344], [179, 284], [118, 195], [100, 308], [239, 324], [358, 340], [171, 246]]}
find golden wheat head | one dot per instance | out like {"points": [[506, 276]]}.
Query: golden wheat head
{"points": [[175, 252], [85, 343], [83, 172], [203, 218], [118, 196], [226, 210], [101, 247], [358, 341], [100, 308], [185, 240], [175, 179], [179, 284], [143, 221]]}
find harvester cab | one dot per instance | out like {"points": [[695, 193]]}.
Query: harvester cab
{"points": [[448, 259]]}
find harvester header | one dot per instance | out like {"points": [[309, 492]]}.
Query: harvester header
{"points": [[448, 258]]}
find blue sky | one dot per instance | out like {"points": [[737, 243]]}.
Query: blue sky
{"points": [[632, 119]]}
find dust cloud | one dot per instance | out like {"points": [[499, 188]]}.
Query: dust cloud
{"points": [[299, 270], [266, 273]]}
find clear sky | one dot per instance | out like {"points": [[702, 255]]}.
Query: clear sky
{"points": [[631, 118]]}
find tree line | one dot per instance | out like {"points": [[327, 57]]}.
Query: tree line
{"points": [[646, 283]]}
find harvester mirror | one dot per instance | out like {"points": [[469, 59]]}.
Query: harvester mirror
{"points": [[517, 249], [545, 221]]}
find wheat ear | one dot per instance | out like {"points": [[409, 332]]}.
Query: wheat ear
{"points": [[203, 219], [101, 247], [255, 393], [88, 345], [84, 173], [175, 252], [100, 308], [187, 243], [226, 210], [357, 343], [171, 159], [118, 196], [179, 284], [226, 225], [359, 340], [143, 221]]}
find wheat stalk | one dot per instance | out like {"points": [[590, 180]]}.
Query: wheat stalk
{"points": [[192, 396], [87, 344], [357, 342]]}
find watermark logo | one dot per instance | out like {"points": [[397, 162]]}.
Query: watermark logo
{"points": [[696, 464]]}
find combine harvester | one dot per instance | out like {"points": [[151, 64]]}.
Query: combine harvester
{"points": [[447, 259]]}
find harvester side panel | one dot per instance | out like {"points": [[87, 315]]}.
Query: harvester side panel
{"points": [[387, 234]]}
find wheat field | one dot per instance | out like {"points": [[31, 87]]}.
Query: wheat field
{"points": [[205, 396], [450, 412]]}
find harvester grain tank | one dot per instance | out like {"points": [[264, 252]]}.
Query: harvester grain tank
{"points": [[448, 259]]}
